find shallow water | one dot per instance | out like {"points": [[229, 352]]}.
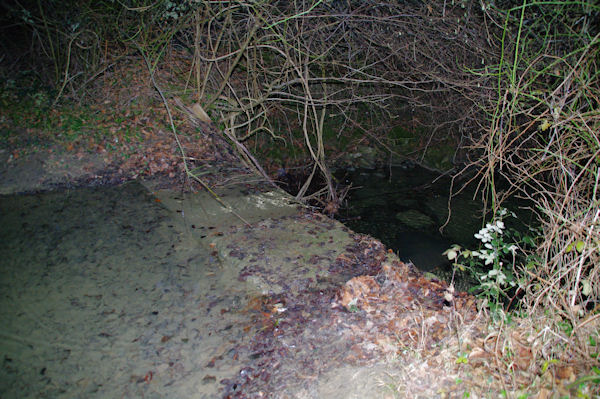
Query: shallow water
{"points": [[406, 207], [107, 294], [118, 292]]}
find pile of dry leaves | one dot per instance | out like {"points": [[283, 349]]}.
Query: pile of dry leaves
{"points": [[387, 310]]}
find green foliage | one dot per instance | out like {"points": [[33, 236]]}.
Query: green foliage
{"points": [[439, 155], [494, 262], [28, 120], [462, 358], [583, 384], [566, 327], [405, 140]]}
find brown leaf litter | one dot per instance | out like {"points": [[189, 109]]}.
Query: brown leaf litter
{"points": [[375, 315]]}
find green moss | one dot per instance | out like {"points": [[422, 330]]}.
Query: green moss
{"points": [[292, 144], [439, 156], [26, 123], [404, 140]]}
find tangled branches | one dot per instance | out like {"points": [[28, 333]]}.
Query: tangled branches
{"points": [[320, 59]]}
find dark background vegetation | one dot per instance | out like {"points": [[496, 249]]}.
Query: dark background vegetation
{"points": [[506, 90]]}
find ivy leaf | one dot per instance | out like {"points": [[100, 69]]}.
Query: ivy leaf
{"points": [[451, 254], [545, 125], [528, 240]]}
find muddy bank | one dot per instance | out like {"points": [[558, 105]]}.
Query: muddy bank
{"points": [[50, 169], [53, 166]]}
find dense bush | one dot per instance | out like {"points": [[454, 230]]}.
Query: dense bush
{"points": [[543, 138]]}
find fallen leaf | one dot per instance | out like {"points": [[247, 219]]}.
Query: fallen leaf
{"points": [[565, 373], [357, 288], [199, 113]]}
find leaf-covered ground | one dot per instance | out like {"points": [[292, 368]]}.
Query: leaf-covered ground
{"points": [[122, 133]]}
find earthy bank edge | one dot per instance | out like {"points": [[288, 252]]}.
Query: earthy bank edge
{"points": [[159, 159]]}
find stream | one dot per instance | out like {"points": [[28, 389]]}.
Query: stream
{"points": [[406, 207]]}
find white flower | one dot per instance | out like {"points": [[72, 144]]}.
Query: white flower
{"points": [[501, 278], [483, 236], [487, 256], [500, 224], [498, 274], [513, 248], [489, 259]]}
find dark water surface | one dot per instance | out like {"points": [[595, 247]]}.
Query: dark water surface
{"points": [[405, 208]]}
